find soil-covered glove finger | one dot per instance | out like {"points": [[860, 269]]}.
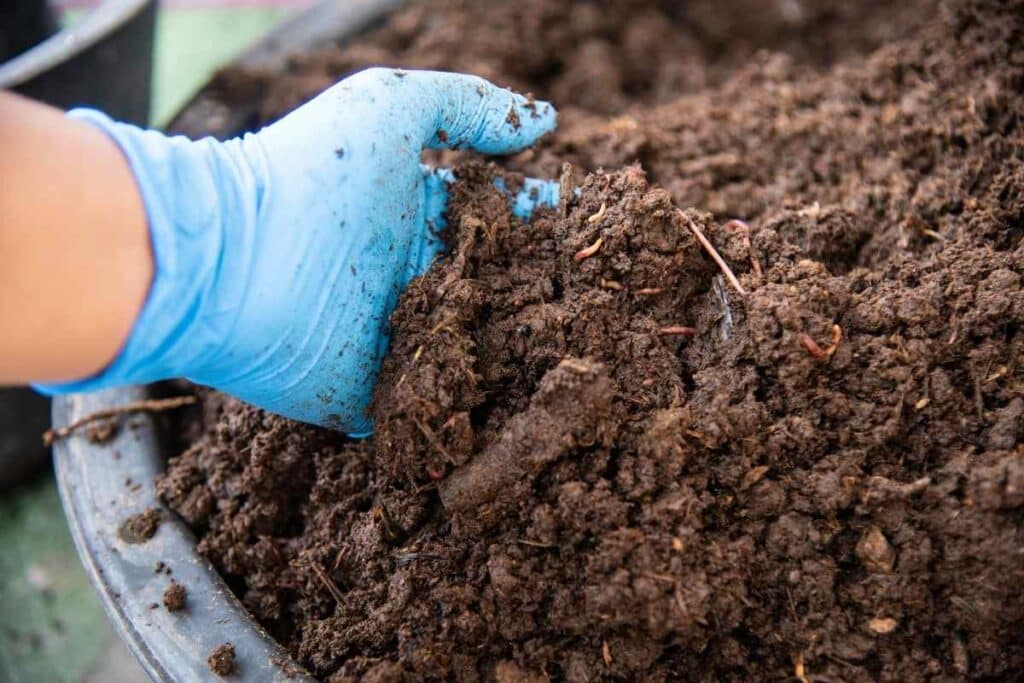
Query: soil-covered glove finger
{"points": [[463, 111], [534, 194]]}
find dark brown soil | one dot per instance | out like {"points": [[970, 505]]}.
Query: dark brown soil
{"points": [[222, 660], [175, 597], [823, 479], [598, 55]]}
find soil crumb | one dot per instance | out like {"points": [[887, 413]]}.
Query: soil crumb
{"points": [[222, 660], [175, 597], [615, 466], [141, 527]]}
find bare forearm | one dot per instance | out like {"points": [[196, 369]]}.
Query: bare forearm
{"points": [[75, 258]]}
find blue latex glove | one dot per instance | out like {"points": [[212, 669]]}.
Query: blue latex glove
{"points": [[280, 256]]}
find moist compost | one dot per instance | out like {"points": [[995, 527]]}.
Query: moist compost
{"points": [[595, 458]]}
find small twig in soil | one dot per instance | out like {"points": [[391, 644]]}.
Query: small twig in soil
{"points": [[584, 254], [678, 330], [331, 587], [534, 544], [146, 406], [744, 229], [979, 401], [1001, 371], [432, 439], [599, 215], [715, 256], [566, 189]]}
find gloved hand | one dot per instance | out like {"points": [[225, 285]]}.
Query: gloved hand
{"points": [[280, 256]]}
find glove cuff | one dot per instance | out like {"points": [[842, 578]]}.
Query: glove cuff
{"points": [[200, 197]]}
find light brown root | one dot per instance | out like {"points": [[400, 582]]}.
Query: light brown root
{"points": [[146, 406], [713, 253], [584, 254], [331, 587]]}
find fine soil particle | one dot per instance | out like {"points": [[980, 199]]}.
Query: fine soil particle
{"points": [[175, 597], [222, 660], [616, 466], [141, 527]]}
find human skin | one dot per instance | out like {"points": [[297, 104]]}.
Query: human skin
{"points": [[75, 256]]}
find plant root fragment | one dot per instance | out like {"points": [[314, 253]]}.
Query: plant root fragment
{"points": [[146, 406], [713, 253]]}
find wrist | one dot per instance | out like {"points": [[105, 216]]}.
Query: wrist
{"points": [[200, 198]]}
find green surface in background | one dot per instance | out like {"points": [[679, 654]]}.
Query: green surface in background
{"points": [[193, 43], [52, 627]]}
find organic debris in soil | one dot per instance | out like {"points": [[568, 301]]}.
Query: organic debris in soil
{"points": [[175, 596], [141, 527], [619, 467], [222, 660]]}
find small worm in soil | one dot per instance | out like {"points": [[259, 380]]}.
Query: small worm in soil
{"points": [[678, 330], [611, 284], [798, 669], [818, 352], [649, 291], [812, 346], [584, 254], [599, 215]]}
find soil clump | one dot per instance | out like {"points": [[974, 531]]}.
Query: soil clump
{"points": [[222, 660], [175, 597]]}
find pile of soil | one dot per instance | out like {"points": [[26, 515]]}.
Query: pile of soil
{"points": [[595, 457]]}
